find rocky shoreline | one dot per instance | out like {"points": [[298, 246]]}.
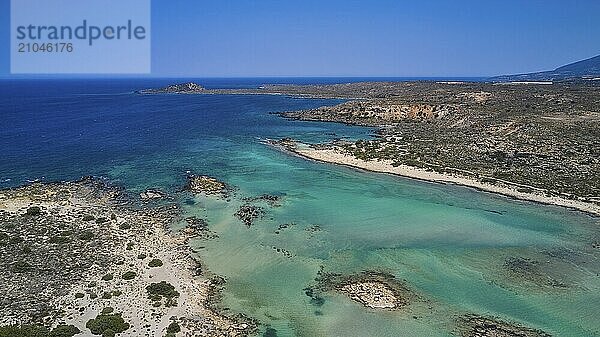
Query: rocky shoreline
{"points": [[535, 137], [84, 254]]}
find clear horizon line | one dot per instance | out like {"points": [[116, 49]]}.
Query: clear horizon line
{"points": [[142, 76]]}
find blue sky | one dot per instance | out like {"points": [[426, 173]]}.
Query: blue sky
{"points": [[202, 38]]}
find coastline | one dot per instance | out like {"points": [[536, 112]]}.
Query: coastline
{"points": [[336, 157], [125, 237]]}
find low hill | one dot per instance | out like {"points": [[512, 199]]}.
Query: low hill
{"points": [[588, 69]]}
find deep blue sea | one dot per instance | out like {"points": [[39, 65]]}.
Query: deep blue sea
{"points": [[63, 129], [449, 244]]}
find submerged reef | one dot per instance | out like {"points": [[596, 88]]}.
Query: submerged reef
{"points": [[478, 326]]}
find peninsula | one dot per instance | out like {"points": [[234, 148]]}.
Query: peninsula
{"points": [[529, 141]]}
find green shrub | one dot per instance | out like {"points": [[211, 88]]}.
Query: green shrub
{"points": [[33, 211], [162, 289], [107, 310], [65, 331], [108, 277], [107, 325], [16, 239], [93, 296], [117, 293], [21, 267], [88, 217], [129, 245], [79, 295], [173, 328], [23, 331], [130, 275], [59, 239], [101, 220], [170, 302], [142, 256], [107, 295], [4, 239], [155, 297], [155, 263], [86, 236], [124, 225], [38, 331]]}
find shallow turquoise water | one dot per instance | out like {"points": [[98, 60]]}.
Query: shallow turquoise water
{"points": [[449, 244]]}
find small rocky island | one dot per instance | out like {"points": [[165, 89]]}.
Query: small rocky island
{"points": [[201, 184], [183, 88], [372, 289]]}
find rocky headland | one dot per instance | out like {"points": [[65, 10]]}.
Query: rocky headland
{"points": [[527, 140]]}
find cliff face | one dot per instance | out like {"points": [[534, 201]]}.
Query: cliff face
{"points": [[395, 112], [377, 111]]}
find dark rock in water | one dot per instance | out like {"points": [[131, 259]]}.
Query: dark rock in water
{"points": [[198, 228], [521, 265], [372, 289], [284, 226], [272, 200], [315, 298], [197, 268], [217, 280], [152, 194], [249, 213], [313, 229], [196, 223], [563, 254], [205, 184], [478, 326], [525, 269], [283, 251], [270, 332]]}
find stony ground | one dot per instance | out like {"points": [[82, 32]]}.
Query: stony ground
{"points": [[69, 251]]}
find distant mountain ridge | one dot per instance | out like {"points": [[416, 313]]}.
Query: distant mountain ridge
{"points": [[587, 69]]}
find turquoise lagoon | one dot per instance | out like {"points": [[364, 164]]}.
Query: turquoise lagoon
{"points": [[448, 244]]}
